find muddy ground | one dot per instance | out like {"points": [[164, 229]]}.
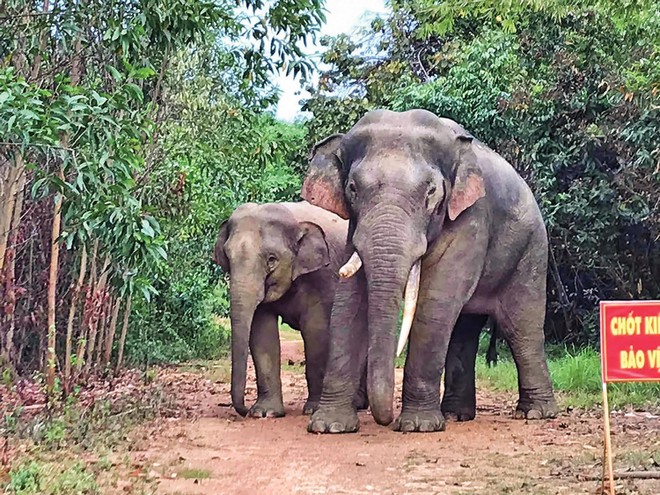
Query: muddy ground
{"points": [[209, 449]]}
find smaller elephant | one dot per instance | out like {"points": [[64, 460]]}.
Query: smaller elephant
{"points": [[282, 260]]}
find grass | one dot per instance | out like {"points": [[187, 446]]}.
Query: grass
{"points": [[287, 333], [194, 474], [75, 448], [575, 376], [218, 370], [51, 478], [294, 368]]}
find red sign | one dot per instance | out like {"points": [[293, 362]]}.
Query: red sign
{"points": [[630, 341]]}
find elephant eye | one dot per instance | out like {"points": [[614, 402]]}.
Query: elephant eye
{"points": [[272, 260], [431, 199], [352, 190]]}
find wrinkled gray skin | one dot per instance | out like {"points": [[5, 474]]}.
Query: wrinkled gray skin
{"points": [[416, 186], [282, 259]]}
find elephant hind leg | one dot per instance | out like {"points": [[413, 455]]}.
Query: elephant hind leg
{"points": [[315, 337], [491, 353], [520, 322], [459, 400]]}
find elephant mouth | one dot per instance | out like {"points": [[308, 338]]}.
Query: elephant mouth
{"points": [[410, 295], [272, 291]]}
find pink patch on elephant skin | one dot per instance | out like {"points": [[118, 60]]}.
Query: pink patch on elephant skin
{"points": [[321, 192], [465, 195]]}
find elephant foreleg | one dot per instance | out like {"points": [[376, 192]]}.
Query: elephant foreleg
{"points": [[265, 350], [459, 401], [348, 326], [442, 296]]}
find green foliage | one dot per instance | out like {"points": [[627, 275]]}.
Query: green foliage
{"points": [[216, 155], [110, 105], [440, 18], [569, 96], [24, 479], [99, 164]]}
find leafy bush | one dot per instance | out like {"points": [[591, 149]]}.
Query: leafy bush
{"points": [[216, 155], [130, 128]]}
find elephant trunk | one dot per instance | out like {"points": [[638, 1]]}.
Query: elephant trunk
{"points": [[387, 259], [244, 301]]}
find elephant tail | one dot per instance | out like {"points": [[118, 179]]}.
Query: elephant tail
{"points": [[491, 353]]}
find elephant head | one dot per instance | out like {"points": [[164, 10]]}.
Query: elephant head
{"points": [[397, 177], [264, 249]]}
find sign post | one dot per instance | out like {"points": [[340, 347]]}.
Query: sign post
{"points": [[630, 352], [608, 470]]}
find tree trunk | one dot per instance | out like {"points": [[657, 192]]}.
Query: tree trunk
{"points": [[93, 273], [36, 65], [124, 330], [98, 302], [72, 315], [52, 289], [88, 310], [76, 75], [12, 179], [110, 335], [102, 329], [10, 270]]}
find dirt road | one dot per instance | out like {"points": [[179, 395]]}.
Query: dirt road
{"points": [[211, 450]]}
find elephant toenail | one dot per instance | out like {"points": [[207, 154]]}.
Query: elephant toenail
{"points": [[336, 428], [534, 414], [317, 427]]}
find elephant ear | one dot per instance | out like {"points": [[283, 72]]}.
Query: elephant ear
{"points": [[313, 253], [468, 182], [323, 185], [219, 255]]}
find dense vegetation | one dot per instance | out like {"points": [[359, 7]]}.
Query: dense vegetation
{"points": [[130, 129]]}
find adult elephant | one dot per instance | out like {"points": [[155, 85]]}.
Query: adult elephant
{"points": [[436, 212], [282, 259]]}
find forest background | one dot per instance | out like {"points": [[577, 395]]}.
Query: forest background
{"points": [[130, 129]]}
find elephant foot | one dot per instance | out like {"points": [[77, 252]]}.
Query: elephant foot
{"points": [[329, 420], [310, 407], [420, 421], [536, 409], [267, 408], [458, 412]]}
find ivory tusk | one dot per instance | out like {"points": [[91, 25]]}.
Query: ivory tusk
{"points": [[351, 267], [409, 305]]}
